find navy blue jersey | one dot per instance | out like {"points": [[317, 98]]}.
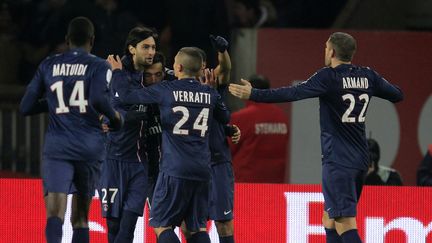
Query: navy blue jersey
{"points": [[185, 106], [75, 85], [344, 94], [126, 143], [153, 139], [219, 147]]}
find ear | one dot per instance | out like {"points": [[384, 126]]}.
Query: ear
{"points": [[92, 41], [67, 40], [132, 50], [333, 53], [180, 67]]}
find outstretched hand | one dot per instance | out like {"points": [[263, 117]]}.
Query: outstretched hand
{"points": [[219, 43], [242, 91], [115, 62]]}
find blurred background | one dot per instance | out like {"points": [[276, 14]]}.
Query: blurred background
{"points": [[281, 39]]}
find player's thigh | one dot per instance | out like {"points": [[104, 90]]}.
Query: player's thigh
{"points": [[341, 189], [170, 201], [86, 176], [57, 176], [221, 196], [197, 211]]}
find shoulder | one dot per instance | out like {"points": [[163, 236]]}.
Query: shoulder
{"points": [[322, 73], [50, 60]]}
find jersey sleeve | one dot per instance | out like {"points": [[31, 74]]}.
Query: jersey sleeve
{"points": [[99, 95], [315, 86], [146, 95], [221, 113], [386, 90], [32, 101]]}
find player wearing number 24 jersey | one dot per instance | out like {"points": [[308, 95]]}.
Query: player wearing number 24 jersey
{"points": [[186, 106]]}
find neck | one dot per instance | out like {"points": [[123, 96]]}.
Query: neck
{"points": [[139, 67], [336, 62], [184, 76], [87, 48]]}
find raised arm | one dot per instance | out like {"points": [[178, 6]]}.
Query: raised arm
{"points": [[223, 69]]}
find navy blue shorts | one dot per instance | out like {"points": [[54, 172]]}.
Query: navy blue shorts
{"points": [[122, 187], [342, 187], [221, 198], [70, 176], [177, 199], [150, 190]]}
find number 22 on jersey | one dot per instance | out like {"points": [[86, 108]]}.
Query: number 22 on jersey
{"points": [[364, 98]]}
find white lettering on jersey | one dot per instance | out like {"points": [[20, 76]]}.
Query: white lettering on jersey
{"points": [[355, 83], [191, 97], [69, 70]]}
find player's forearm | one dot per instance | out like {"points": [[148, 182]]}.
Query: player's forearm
{"points": [[223, 70], [285, 94], [32, 104]]}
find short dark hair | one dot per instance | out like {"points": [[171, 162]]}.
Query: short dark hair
{"points": [[344, 45], [136, 35], [80, 31], [193, 62], [202, 53], [259, 81], [159, 58]]}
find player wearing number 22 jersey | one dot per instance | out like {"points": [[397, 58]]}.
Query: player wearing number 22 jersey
{"points": [[344, 94]]}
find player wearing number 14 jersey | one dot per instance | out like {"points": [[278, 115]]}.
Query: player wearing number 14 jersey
{"points": [[186, 105], [75, 86], [344, 92]]}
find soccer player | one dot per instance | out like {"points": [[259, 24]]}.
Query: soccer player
{"points": [[344, 92], [124, 173], [75, 84], [181, 191], [153, 74], [221, 199]]}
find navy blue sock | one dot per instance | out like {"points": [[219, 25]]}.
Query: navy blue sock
{"points": [[351, 236], [81, 235], [54, 230], [168, 236], [127, 227], [113, 225], [226, 239], [332, 236], [199, 237]]}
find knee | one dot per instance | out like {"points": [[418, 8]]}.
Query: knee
{"points": [[225, 228]]}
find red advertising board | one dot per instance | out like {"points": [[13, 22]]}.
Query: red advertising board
{"points": [[263, 213]]}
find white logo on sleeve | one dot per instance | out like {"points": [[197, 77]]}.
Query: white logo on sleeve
{"points": [[227, 212], [116, 95], [108, 76]]}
